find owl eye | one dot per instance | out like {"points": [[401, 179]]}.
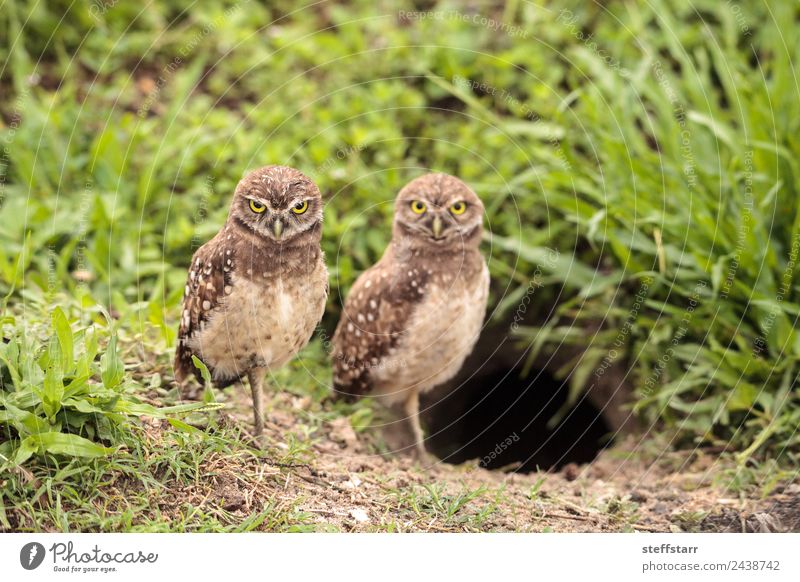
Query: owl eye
{"points": [[257, 207], [300, 207], [458, 208], [418, 207]]}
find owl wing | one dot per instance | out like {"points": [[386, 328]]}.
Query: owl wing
{"points": [[375, 317], [209, 280]]}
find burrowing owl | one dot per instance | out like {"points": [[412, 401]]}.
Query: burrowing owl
{"points": [[256, 290], [411, 320]]}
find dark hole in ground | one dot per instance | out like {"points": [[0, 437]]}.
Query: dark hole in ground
{"points": [[502, 418]]}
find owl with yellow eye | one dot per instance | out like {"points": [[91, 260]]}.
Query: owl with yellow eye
{"points": [[410, 321], [257, 290]]}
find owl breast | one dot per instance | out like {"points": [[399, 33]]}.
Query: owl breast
{"points": [[440, 335], [262, 323]]}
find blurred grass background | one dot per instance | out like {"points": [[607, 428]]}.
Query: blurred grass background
{"points": [[655, 147]]}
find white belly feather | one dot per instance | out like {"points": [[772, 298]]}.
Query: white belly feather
{"points": [[440, 335], [261, 324]]}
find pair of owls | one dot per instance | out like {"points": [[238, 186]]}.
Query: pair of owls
{"points": [[257, 290]]}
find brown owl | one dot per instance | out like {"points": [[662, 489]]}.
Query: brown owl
{"points": [[410, 321], [257, 290]]}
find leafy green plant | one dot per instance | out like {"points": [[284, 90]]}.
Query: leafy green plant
{"points": [[60, 399], [681, 186]]}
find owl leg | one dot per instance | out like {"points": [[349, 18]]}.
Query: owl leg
{"points": [[256, 379], [412, 412]]}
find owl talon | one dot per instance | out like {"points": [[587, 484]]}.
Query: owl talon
{"points": [[424, 458], [260, 442]]}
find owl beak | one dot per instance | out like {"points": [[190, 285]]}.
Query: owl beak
{"points": [[438, 226], [277, 228]]}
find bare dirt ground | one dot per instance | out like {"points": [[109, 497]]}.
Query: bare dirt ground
{"points": [[327, 477], [345, 488]]}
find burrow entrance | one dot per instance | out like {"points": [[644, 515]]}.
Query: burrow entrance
{"points": [[507, 420]]}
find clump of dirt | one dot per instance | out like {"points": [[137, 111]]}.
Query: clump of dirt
{"points": [[779, 513]]}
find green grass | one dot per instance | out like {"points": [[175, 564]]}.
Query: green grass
{"points": [[143, 491], [658, 156], [432, 505], [52, 402]]}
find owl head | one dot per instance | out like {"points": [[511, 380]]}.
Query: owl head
{"points": [[279, 204], [438, 211]]}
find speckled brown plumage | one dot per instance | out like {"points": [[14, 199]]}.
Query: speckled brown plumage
{"points": [[256, 291], [209, 277], [410, 321]]}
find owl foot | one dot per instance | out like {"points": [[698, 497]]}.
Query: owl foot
{"points": [[423, 457]]}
